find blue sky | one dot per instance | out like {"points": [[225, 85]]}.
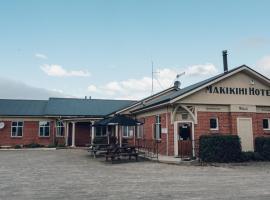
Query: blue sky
{"points": [[104, 48]]}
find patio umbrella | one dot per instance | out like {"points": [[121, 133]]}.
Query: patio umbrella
{"points": [[118, 120]]}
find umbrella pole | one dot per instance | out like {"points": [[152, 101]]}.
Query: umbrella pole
{"points": [[120, 136]]}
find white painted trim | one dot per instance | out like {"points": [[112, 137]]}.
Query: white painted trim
{"points": [[267, 129], [249, 118], [43, 127], [219, 79], [16, 129], [214, 129]]}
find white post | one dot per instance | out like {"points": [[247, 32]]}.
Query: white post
{"points": [[116, 132], [193, 141], [120, 135], [175, 139], [92, 132], [107, 133], [67, 132], [73, 134]]}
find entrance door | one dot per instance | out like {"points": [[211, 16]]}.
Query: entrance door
{"points": [[244, 129], [184, 139]]}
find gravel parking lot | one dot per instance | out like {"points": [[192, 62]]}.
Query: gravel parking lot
{"points": [[73, 174]]}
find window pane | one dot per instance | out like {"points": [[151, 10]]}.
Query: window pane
{"points": [[14, 131], [19, 133], [47, 131], [14, 123], [265, 123], [213, 123], [41, 133], [20, 123]]}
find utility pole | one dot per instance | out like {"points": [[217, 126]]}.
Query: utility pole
{"points": [[153, 73]]}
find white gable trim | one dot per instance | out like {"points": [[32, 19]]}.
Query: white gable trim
{"points": [[219, 79]]}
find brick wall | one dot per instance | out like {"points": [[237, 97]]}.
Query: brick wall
{"points": [[30, 134], [148, 126], [228, 123]]}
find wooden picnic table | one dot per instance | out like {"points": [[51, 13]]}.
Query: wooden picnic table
{"points": [[118, 152], [100, 149]]}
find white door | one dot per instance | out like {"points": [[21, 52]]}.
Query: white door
{"points": [[245, 132]]}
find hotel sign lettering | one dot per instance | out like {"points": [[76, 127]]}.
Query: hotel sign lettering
{"points": [[238, 91]]}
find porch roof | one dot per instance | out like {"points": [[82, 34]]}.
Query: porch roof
{"points": [[118, 120]]}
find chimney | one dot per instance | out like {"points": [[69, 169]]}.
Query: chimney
{"points": [[225, 61]]}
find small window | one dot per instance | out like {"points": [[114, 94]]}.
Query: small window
{"points": [[60, 129], [101, 131], [44, 129], [17, 129], [266, 124], [140, 131], [214, 123], [157, 128], [127, 131]]}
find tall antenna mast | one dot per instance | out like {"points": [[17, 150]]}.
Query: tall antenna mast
{"points": [[152, 77]]}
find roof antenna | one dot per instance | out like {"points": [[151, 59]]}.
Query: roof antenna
{"points": [[177, 82], [153, 72]]}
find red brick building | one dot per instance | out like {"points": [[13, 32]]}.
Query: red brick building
{"points": [[234, 102]]}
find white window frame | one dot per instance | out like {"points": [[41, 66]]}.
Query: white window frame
{"points": [[157, 123], [44, 129], [140, 131], [58, 127], [267, 129], [214, 129], [129, 129], [17, 126]]}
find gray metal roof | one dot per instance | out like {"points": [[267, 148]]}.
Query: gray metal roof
{"points": [[61, 107], [179, 92], [84, 107], [11, 107]]}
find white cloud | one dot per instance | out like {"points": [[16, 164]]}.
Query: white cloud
{"points": [[141, 87], [59, 71], [92, 88], [198, 70], [41, 56], [264, 65], [20, 90]]}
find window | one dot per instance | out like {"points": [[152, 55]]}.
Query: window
{"points": [[140, 131], [101, 131], [157, 128], [214, 123], [127, 131], [60, 129], [17, 129], [266, 124], [44, 129]]}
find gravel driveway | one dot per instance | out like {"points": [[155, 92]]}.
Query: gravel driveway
{"points": [[73, 174]]}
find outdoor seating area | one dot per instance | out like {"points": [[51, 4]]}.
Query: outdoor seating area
{"points": [[112, 151]]}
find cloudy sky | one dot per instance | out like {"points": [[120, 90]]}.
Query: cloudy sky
{"points": [[104, 49]]}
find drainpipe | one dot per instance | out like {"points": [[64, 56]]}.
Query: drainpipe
{"points": [[167, 135]]}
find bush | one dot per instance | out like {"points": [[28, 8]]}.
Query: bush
{"points": [[51, 146], [61, 145], [251, 156], [33, 145], [220, 148], [17, 146], [262, 146]]}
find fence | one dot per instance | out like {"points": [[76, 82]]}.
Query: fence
{"points": [[148, 147]]}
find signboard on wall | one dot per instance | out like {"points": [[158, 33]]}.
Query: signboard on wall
{"points": [[238, 91], [164, 130]]}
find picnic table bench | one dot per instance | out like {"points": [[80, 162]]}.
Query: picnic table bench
{"points": [[118, 152], [100, 149]]}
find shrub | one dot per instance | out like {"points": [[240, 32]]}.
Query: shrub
{"points": [[61, 145], [262, 146], [251, 156], [17, 146], [33, 145], [220, 148], [51, 146]]}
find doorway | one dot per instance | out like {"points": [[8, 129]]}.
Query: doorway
{"points": [[245, 133], [184, 131]]}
